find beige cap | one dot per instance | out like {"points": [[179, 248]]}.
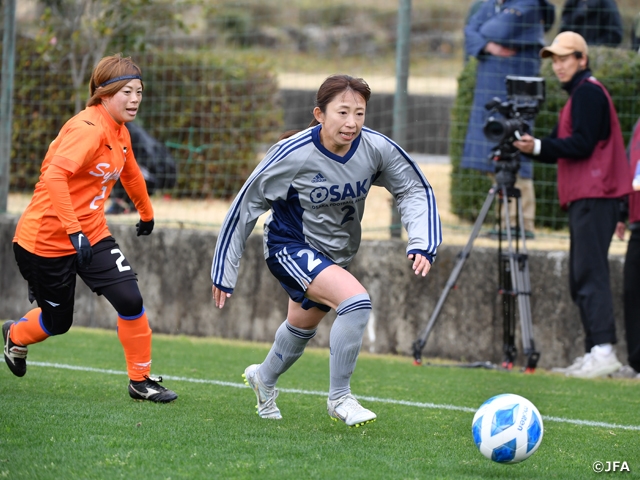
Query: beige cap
{"points": [[565, 43]]}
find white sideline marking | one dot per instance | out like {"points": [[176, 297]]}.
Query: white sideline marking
{"points": [[546, 418]]}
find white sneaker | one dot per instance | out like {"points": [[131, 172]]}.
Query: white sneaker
{"points": [[266, 406], [349, 410], [626, 371], [597, 365], [577, 363]]}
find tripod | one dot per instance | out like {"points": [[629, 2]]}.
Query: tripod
{"points": [[514, 282]]}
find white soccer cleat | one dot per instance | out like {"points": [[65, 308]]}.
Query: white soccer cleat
{"points": [[577, 363], [349, 410], [266, 406], [597, 365]]}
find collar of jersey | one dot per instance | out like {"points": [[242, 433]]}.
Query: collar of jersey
{"points": [[315, 135]]}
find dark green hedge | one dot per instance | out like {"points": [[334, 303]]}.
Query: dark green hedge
{"points": [[213, 113], [617, 69], [43, 100]]}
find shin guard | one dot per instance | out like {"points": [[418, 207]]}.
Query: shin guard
{"points": [[29, 329], [345, 340], [288, 346], [135, 336]]}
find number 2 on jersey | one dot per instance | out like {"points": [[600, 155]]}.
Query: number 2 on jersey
{"points": [[93, 205], [349, 215]]}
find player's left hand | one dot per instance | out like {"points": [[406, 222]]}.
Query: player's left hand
{"points": [[421, 264], [144, 228]]}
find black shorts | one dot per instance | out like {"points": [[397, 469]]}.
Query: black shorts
{"points": [[52, 281]]}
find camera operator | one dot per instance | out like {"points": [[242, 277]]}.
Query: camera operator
{"points": [[593, 175]]}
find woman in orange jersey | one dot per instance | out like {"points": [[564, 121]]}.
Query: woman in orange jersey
{"points": [[63, 231]]}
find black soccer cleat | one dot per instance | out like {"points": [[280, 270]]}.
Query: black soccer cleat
{"points": [[149, 389], [15, 356]]}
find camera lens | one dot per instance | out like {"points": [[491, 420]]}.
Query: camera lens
{"points": [[494, 129], [501, 130]]}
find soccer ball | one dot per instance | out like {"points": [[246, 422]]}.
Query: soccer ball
{"points": [[507, 428]]}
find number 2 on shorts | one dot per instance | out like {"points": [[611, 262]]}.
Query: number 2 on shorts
{"points": [[312, 262], [121, 268]]}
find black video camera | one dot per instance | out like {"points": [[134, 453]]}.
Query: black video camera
{"points": [[524, 97]]}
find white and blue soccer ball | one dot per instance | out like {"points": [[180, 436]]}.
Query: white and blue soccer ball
{"points": [[507, 428]]}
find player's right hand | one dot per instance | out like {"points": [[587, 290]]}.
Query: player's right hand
{"points": [[219, 296], [83, 247], [526, 144]]}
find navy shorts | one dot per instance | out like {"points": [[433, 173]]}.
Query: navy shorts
{"points": [[295, 265], [52, 281]]}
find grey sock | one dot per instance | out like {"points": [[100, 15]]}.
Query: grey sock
{"points": [[345, 341], [286, 349]]}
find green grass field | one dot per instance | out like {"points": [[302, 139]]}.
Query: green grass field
{"points": [[70, 417]]}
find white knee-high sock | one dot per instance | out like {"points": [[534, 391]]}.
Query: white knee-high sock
{"points": [[345, 341], [286, 349]]}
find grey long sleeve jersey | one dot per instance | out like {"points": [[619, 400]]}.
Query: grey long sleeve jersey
{"points": [[318, 198]]}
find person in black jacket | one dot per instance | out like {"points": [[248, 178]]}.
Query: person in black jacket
{"points": [[597, 21], [593, 175]]}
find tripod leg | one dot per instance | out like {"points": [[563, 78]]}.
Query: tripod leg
{"points": [[508, 288], [508, 314], [419, 344], [520, 289], [523, 287]]}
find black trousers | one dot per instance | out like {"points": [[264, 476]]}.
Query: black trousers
{"points": [[632, 299], [592, 223]]}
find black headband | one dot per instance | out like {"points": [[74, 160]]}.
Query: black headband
{"points": [[117, 79]]}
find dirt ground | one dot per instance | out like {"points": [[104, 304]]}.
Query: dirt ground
{"points": [[209, 214]]}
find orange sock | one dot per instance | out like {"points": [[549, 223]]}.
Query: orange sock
{"points": [[135, 336], [28, 329]]}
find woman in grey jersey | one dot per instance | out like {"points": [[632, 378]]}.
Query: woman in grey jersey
{"points": [[315, 183]]}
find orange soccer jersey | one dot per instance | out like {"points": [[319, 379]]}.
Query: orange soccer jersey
{"points": [[78, 172]]}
